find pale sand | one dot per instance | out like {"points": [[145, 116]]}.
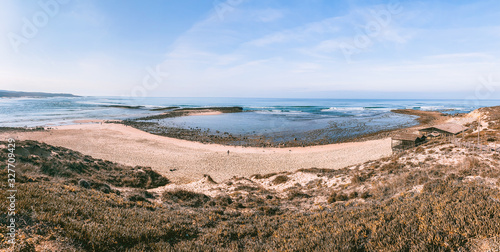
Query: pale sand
{"points": [[130, 146], [204, 113]]}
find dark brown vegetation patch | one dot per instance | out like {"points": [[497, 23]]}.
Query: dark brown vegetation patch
{"points": [[259, 176], [20, 129], [337, 196], [184, 197], [280, 179], [41, 161], [297, 194]]}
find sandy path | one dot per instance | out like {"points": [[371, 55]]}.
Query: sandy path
{"points": [[130, 146]]}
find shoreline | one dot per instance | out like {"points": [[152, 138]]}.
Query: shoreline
{"points": [[425, 118], [185, 161]]}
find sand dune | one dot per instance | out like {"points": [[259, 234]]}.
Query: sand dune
{"points": [[184, 161]]}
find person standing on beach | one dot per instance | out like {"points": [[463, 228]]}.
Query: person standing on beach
{"points": [[227, 152]]}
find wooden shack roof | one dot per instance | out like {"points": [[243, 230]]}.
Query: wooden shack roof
{"points": [[451, 128], [405, 137]]}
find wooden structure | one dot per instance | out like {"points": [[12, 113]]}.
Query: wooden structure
{"points": [[446, 129], [406, 140]]}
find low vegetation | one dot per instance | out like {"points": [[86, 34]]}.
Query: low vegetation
{"points": [[439, 198]]}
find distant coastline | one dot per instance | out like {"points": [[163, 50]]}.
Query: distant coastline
{"points": [[20, 94]]}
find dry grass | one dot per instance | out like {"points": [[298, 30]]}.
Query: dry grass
{"points": [[380, 210]]}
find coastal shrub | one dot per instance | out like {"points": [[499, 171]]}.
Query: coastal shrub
{"points": [[137, 197], [331, 199], [391, 167], [221, 200], [24, 246], [448, 214], [337, 196], [84, 183], [97, 221], [254, 201], [184, 197], [144, 177], [269, 210], [365, 195], [353, 195], [21, 129], [140, 195], [356, 179], [385, 189], [415, 178], [77, 167], [247, 188], [54, 169], [297, 194], [58, 163], [259, 176], [280, 179], [314, 183], [316, 170], [359, 177]]}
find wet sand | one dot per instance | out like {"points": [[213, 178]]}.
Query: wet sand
{"points": [[186, 161]]}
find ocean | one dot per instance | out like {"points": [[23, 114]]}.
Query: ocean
{"points": [[282, 118]]}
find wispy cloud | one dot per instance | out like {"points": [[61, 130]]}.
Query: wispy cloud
{"points": [[274, 48], [310, 54], [298, 34], [462, 56]]}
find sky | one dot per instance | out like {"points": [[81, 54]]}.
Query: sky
{"points": [[252, 48]]}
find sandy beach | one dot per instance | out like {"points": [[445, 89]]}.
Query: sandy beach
{"points": [[185, 161]]}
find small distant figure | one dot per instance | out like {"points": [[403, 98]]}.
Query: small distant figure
{"points": [[227, 152], [172, 170]]}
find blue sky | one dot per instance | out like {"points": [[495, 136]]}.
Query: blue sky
{"points": [[245, 48]]}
